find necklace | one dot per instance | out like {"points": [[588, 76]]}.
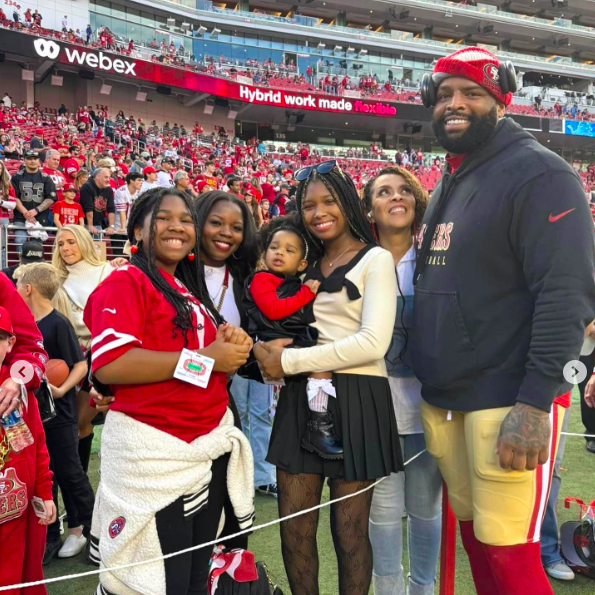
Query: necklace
{"points": [[222, 289], [342, 254], [4, 451]]}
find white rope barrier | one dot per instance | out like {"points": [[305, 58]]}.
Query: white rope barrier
{"points": [[217, 541], [66, 577]]}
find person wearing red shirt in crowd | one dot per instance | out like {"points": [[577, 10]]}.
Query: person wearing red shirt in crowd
{"points": [[235, 187], [282, 198], [7, 196], [138, 344], [198, 129], [304, 153], [66, 211], [229, 163], [268, 188], [62, 147], [82, 115], [208, 176], [50, 167], [74, 164]]}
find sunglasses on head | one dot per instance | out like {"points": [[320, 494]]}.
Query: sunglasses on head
{"points": [[320, 168]]}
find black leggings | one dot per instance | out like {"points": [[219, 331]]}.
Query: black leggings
{"points": [[349, 528], [187, 574]]}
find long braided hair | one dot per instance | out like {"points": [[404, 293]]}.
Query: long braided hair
{"points": [[343, 190], [189, 273]]}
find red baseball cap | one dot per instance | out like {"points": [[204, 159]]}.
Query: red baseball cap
{"points": [[39, 131], [5, 321], [69, 188], [149, 170]]}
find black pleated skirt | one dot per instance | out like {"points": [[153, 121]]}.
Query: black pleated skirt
{"points": [[364, 419]]}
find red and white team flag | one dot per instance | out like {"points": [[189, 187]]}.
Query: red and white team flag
{"points": [[239, 564]]}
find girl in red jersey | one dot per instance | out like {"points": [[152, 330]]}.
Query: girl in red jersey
{"points": [[167, 443]]}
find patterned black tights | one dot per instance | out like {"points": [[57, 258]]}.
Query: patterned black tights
{"points": [[349, 528]]}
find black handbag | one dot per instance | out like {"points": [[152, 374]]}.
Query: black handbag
{"points": [[45, 401]]}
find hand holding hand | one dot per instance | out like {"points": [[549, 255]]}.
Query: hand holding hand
{"points": [[228, 357], [524, 439], [269, 356], [234, 335]]}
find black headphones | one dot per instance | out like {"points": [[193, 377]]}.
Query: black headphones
{"points": [[506, 80]]}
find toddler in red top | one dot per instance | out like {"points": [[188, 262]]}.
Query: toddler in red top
{"points": [[279, 306], [24, 475]]}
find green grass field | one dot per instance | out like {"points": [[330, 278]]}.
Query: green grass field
{"points": [[578, 473]]}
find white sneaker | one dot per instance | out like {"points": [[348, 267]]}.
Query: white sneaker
{"points": [[72, 546], [558, 570]]}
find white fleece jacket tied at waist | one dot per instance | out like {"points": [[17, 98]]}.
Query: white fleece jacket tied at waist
{"points": [[143, 470]]}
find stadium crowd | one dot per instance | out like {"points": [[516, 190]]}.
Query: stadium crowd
{"points": [[325, 78], [72, 145], [204, 214]]}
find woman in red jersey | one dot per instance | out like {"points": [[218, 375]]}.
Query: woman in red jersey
{"points": [[170, 452]]}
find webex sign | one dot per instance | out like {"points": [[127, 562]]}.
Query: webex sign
{"points": [[46, 48], [204, 83]]}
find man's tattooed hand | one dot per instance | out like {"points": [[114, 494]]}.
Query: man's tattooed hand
{"points": [[523, 442]]}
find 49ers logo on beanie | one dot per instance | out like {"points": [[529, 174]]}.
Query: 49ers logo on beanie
{"points": [[492, 73], [475, 64]]}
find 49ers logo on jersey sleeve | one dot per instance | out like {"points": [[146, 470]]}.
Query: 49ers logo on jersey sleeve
{"points": [[13, 496]]}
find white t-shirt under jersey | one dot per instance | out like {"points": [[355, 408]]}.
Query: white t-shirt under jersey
{"points": [[214, 277]]}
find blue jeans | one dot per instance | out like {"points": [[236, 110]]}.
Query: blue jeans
{"points": [[20, 235], [253, 400], [550, 542], [418, 490]]}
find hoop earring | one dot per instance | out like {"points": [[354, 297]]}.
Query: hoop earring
{"points": [[236, 257]]}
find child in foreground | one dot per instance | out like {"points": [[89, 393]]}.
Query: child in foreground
{"points": [[37, 284], [26, 504], [279, 306]]}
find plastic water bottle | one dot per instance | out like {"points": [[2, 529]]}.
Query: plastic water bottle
{"points": [[17, 432]]}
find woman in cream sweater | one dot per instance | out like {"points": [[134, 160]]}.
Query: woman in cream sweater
{"points": [[354, 313], [82, 271]]}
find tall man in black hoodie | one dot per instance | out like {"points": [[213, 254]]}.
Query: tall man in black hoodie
{"points": [[504, 290]]}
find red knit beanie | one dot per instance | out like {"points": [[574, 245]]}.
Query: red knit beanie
{"points": [[475, 64]]}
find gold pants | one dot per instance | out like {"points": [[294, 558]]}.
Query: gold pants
{"points": [[506, 506]]}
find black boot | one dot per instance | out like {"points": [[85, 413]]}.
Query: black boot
{"points": [[321, 438], [85, 451]]}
